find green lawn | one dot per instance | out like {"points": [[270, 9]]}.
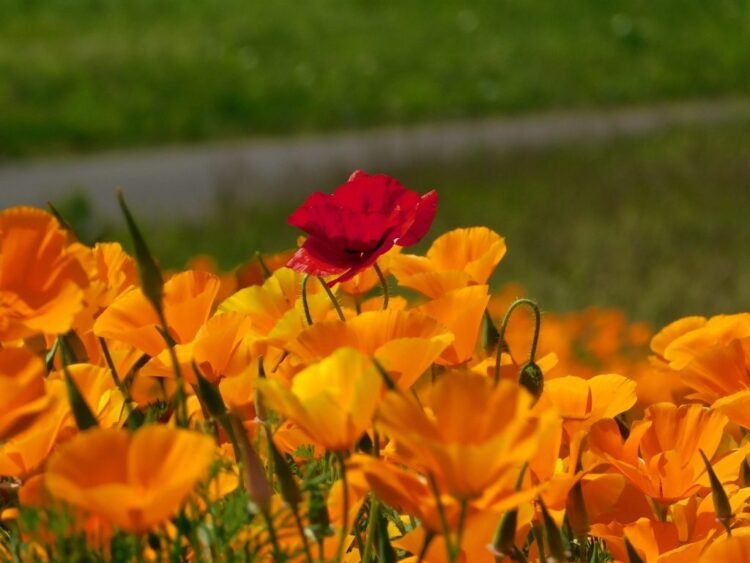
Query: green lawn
{"points": [[658, 226], [79, 75]]}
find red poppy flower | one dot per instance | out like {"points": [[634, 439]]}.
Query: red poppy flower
{"points": [[361, 220]]}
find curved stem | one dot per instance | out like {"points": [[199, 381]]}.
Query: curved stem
{"points": [[333, 299], [504, 325], [305, 304], [345, 511], [383, 283]]}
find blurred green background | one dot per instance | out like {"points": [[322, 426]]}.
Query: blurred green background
{"points": [[655, 224]]}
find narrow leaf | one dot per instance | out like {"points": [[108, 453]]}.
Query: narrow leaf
{"points": [[209, 395], [254, 474], [554, 536], [633, 556], [152, 282], [289, 489], [82, 414], [721, 501]]}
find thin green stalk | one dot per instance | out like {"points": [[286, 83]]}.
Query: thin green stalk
{"points": [[179, 380], [371, 526], [429, 536], [383, 283], [504, 325], [333, 299], [452, 555], [301, 530], [305, 304], [278, 555], [461, 524], [345, 515]]}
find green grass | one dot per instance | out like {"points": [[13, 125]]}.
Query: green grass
{"points": [[78, 75], [657, 226]]}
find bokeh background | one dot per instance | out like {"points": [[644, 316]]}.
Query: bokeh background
{"points": [[652, 218]]}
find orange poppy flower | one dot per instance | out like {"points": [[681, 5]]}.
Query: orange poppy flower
{"points": [[41, 280], [332, 401], [583, 402], [462, 312], [140, 482], [404, 343], [22, 391], [221, 348], [712, 359], [735, 549], [661, 455], [456, 259], [25, 453], [188, 300], [253, 273], [478, 438]]}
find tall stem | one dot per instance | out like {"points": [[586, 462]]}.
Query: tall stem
{"points": [[305, 304], [333, 299], [371, 525], [445, 528], [383, 283], [504, 325], [345, 515]]}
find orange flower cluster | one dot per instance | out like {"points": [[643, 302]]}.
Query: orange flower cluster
{"points": [[263, 415]]}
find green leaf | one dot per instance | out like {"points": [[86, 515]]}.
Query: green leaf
{"points": [[721, 502], [82, 414], [152, 282], [633, 556], [209, 395], [554, 536], [290, 491]]}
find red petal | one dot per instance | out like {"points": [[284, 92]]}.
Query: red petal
{"points": [[425, 213]]}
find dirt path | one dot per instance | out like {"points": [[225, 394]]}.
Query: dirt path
{"points": [[185, 181]]}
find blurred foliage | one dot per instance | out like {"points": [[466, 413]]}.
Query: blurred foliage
{"points": [[657, 225], [86, 74]]}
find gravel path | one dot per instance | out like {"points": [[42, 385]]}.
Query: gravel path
{"points": [[185, 181]]}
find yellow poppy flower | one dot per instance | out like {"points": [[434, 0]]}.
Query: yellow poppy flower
{"points": [[332, 401]]}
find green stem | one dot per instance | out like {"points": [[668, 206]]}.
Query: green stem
{"points": [[305, 304], [277, 553], [383, 283], [371, 526], [263, 266], [504, 325], [443, 519], [429, 536], [461, 524], [110, 363], [180, 395], [345, 514], [333, 299], [301, 530]]}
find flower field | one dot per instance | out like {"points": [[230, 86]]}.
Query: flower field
{"points": [[351, 401]]}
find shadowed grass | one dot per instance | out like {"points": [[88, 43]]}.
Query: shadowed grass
{"points": [[84, 74]]}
